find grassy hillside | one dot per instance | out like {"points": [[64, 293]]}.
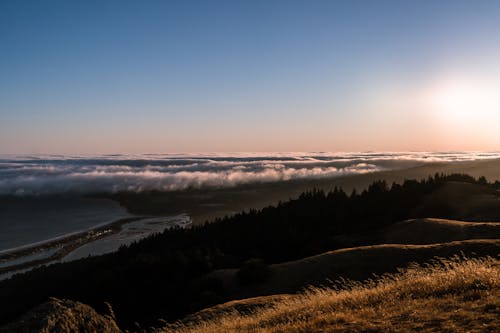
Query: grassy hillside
{"points": [[449, 296]]}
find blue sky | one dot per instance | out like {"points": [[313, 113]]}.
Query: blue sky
{"points": [[187, 76]]}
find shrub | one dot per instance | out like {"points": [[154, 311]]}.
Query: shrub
{"points": [[253, 271]]}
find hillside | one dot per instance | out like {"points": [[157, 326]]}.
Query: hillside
{"points": [[450, 296], [429, 230], [356, 263], [424, 231]]}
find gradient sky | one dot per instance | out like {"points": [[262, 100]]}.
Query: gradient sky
{"points": [[197, 76]]}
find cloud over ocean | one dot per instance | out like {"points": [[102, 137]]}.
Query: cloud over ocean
{"points": [[53, 174]]}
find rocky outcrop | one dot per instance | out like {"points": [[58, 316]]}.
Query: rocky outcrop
{"points": [[63, 316]]}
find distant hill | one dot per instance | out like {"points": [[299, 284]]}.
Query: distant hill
{"points": [[429, 231], [424, 231]]}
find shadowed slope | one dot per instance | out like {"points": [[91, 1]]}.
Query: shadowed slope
{"points": [[428, 231], [424, 231], [352, 263]]}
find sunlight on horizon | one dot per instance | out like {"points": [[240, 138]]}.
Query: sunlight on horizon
{"points": [[467, 102]]}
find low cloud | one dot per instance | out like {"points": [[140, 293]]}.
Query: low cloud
{"points": [[25, 175]]}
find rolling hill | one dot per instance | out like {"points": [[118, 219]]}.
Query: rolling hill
{"points": [[449, 296]]}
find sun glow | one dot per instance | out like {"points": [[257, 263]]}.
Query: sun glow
{"points": [[466, 102]]}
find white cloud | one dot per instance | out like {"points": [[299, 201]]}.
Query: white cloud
{"points": [[83, 174]]}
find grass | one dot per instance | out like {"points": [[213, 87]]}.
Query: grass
{"points": [[452, 295]]}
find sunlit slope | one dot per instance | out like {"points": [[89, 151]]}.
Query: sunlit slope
{"points": [[452, 296]]}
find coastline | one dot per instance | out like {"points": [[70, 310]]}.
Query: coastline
{"points": [[66, 244]]}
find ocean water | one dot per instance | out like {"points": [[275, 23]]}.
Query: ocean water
{"points": [[29, 220]]}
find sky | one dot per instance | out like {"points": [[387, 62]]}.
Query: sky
{"points": [[89, 77]]}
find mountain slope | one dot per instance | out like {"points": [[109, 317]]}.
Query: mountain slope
{"points": [[451, 296]]}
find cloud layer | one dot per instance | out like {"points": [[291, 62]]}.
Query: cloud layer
{"points": [[25, 175]]}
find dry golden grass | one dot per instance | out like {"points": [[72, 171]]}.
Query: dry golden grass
{"points": [[454, 295]]}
